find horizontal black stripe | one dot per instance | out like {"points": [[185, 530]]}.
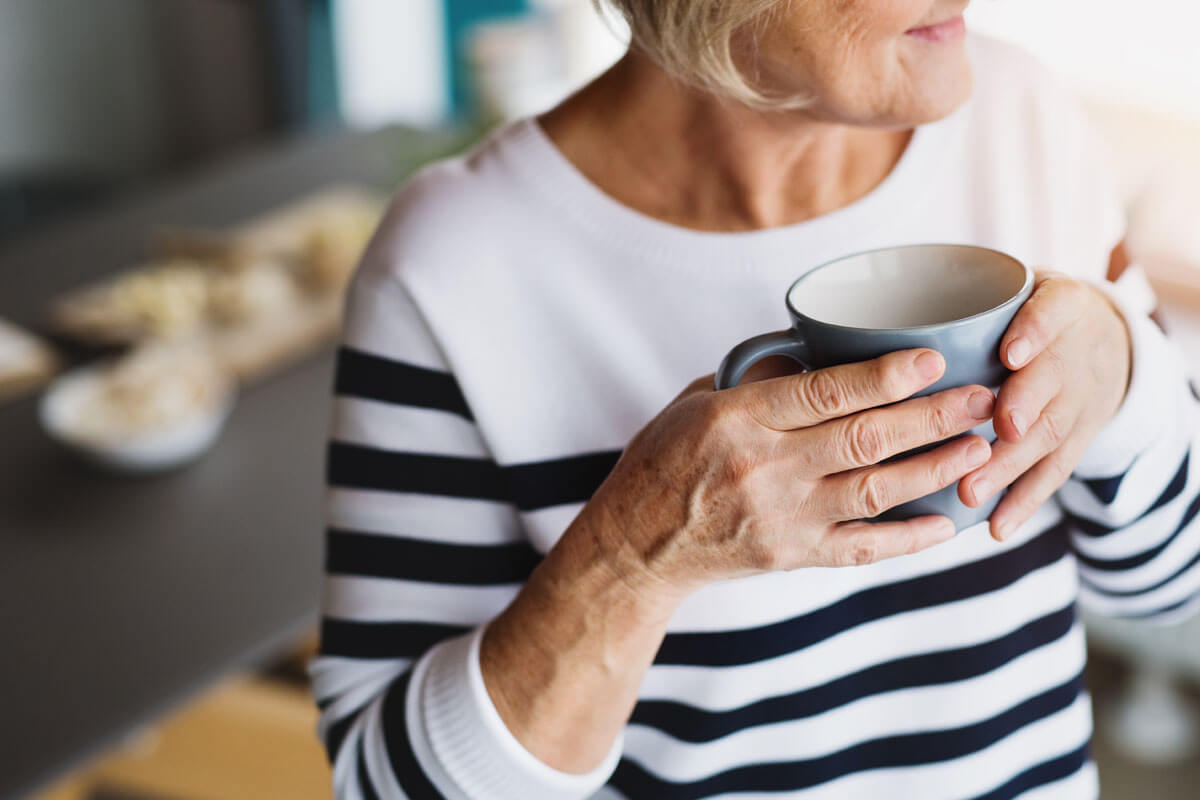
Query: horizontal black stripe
{"points": [[729, 648], [1144, 557], [1091, 527], [528, 486], [354, 553], [1047, 772], [691, 724], [340, 637], [373, 377], [412, 779], [905, 750], [354, 466]]}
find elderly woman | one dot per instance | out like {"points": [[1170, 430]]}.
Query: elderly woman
{"points": [[556, 572]]}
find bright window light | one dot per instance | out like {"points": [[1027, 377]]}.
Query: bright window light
{"points": [[1144, 53]]}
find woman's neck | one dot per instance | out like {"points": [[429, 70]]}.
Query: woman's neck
{"points": [[690, 159]]}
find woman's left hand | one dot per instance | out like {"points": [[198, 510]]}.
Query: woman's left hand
{"points": [[1069, 350]]}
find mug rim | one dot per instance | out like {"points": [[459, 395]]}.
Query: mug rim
{"points": [[1026, 285]]}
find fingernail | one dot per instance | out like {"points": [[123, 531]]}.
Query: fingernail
{"points": [[1018, 421], [977, 454], [980, 403], [981, 491], [1002, 529], [928, 365], [1018, 352]]}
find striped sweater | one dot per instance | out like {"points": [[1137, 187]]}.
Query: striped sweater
{"points": [[511, 328]]}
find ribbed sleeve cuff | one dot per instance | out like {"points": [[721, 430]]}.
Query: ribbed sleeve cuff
{"points": [[1149, 401], [472, 745]]}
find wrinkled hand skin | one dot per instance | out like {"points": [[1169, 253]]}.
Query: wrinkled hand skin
{"points": [[1069, 349]]}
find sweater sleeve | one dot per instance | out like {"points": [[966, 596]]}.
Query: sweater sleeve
{"points": [[1133, 499], [422, 550]]}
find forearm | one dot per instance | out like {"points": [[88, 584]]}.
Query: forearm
{"points": [[563, 663]]}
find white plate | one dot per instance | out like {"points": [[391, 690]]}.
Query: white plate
{"points": [[154, 451]]}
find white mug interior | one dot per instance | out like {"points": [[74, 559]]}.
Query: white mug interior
{"points": [[906, 287]]}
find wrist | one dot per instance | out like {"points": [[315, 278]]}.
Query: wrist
{"points": [[597, 559]]}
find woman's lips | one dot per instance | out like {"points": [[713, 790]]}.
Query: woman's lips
{"points": [[947, 31]]}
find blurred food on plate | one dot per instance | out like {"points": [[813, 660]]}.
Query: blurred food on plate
{"points": [[25, 360], [158, 406]]}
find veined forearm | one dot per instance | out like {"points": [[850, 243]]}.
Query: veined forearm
{"points": [[563, 663]]}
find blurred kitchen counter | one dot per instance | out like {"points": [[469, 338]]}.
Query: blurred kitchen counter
{"points": [[122, 598]]}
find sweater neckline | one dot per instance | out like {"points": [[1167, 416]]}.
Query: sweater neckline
{"points": [[533, 157]]}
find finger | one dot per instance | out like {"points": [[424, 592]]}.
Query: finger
{"points": [[1034, 488], [868, 492], [1056, 302], [872, 436], [800, 401], [857, 543], [1026, 393], [1010, 460]]}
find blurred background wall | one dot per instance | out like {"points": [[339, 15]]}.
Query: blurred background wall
{"points": [[99, 95]]}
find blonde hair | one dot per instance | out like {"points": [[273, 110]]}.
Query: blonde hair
{"points": [[694, 41]]}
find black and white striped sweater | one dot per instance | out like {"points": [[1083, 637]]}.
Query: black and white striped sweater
{"points": [[511, 328]]}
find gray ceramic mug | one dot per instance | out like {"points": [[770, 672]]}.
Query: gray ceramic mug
{"points": [[956, 299]]}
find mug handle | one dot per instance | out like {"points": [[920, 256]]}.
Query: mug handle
{"points": [[745, 355]]}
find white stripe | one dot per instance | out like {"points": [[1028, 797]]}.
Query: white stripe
{"points": [[971, 775], [545, 526], [332, 675], [1178, 590], [363, 599], [382, 320], [388, 426], [1145, 532], [452, 520], [964, 623], [353, 700], [906, 711], [1144, 481], [1174, 556]]}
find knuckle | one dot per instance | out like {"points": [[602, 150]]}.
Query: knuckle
{"points": [[941, 420], [873, 494], [948, 470], [824, 393], [1055, 428], [865, 443], [860, 552], [888, 378]]}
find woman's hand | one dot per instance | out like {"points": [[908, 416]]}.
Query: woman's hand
{"points": [[1070, 352], [765, 476], [777, 474]]}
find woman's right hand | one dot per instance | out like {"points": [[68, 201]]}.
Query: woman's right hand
{"points": [[780, 473], [765, 476]]}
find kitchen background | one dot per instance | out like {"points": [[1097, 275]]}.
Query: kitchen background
{"points": [[159, 544]]}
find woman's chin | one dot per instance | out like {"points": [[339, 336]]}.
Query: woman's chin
{"points": [[940, 93]]}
